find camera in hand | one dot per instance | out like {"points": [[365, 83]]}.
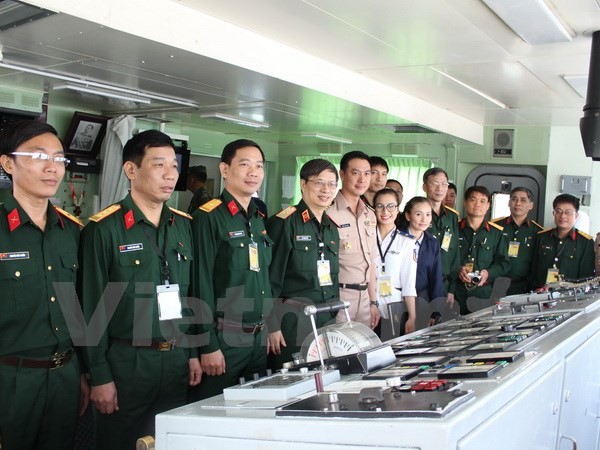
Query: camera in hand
{"points": [[475, 277]]}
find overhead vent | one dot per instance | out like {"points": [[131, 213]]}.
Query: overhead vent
{"points": [[402, 150], [329, 149], [13, 14], [412, 128], [21, 99]]}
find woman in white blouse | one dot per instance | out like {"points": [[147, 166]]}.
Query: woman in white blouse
{"points": [[395, 261]]}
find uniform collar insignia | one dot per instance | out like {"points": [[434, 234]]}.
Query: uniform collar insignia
{"points": [[14, 221], [573, 234], [233, 207], [486, 225], [129, 219], [305, 215]]}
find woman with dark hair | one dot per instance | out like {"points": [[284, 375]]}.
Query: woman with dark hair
{"points": [[417, 213], [396, 268], [305, 266]]}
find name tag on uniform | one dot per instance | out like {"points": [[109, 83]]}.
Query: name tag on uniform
{"points": [[131, 248], [169, 302], [345, 225], [303, 238], [446, 241], [253, 257], [324, 272], [513, 249], [12, 256], [237, 234]]}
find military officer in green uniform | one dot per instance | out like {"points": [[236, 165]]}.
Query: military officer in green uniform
{"points": [[135, 261], [483, 251], [562, 251], [520, 232], [39, 373], [231, 275], [444, 227], [305, 265]]}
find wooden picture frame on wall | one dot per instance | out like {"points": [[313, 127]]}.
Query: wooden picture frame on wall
{"points": [[85, 135]]}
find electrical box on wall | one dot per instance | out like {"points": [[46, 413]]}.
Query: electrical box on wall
{"points": [[575, 185]]}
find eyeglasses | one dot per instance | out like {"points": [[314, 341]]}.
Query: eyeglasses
{"points": [[42, 157], [567, 212], [391, 207], [438, 183], [320, 184]]}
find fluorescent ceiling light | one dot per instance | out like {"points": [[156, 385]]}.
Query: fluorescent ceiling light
{"points": [[95, 84], [327, 137], [578, 83], [102, 93], [472, 89], [533, 20], [235, 119]]}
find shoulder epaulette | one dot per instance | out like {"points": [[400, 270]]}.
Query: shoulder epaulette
{"points": [[105, 212], [537, 224], [287, 212], [69, 216], [495, 225], [452, 210], [180, 213], [406, 234], [498, 219], [585, 235], [210, 205], [545, 230]]}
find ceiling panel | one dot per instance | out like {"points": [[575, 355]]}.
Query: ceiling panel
{"points": [[393, 42]]}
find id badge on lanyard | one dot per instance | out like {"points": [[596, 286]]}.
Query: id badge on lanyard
{"points": [[324, 272], [513, 249], [446, 241], [384, 285], [553, 275], [169, 302], [253, 256]]}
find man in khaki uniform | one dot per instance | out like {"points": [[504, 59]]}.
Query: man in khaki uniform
{"points": [[356, 225]]}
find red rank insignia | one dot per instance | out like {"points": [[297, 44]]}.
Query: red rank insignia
{"points": [[573, 234], [14, 221], [129, 220], [233, 208], [305, 216]]}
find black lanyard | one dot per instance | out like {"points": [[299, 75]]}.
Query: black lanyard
{"points": [[164, 264], [384, 254], [558, 253], [320, 235], [245, 218]]}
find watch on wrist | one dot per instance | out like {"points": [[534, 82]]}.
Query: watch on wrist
{"points": [[374, 302]]}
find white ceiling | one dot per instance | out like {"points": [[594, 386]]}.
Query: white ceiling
{"points": [[267, 60]]}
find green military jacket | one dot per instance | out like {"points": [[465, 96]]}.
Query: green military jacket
{"points": [[520, 250], [487, 248], [573, 256], [116, 247], [446, 223], [31, 260], [297, 235], [223, 279]]}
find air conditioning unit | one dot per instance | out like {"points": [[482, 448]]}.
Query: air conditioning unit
{"points": [[503, 143], [17, 99], [404, 150], [329, 149]]}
